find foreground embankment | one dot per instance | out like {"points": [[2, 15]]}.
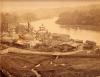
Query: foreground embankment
{"points": [[36, 65]]}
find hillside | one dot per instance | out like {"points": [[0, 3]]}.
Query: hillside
{"points": [[84, 17]]}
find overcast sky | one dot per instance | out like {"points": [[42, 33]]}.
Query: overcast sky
{"points": [[49, 0], [17, 5]]}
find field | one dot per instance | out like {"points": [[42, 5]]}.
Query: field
{"points": [[31, 65]]}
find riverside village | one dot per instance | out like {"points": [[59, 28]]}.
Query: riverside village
{"points": [[29, 52], [42, 40]]}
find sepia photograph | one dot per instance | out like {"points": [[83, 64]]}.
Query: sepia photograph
{"points": [[49, 38]]}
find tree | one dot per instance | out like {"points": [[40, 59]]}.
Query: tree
{"points": [[8, 20], [84, 18]]}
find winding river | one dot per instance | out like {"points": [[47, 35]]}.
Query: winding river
{"points": [[75, 34]]}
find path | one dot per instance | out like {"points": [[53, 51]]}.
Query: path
{"points": [[17, 50]]}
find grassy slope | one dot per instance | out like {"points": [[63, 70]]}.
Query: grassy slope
{"points": [[63, 66]]}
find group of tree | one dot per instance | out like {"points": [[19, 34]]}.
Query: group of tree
{"points": [[87, 15], [8, 20]]}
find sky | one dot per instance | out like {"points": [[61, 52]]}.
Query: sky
{"points": [[49, 0], [31, 5]]}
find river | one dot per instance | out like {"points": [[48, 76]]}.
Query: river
{"points": [[75, 34]]}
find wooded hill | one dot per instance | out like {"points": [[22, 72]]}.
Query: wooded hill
{"points": [[85, 17]]}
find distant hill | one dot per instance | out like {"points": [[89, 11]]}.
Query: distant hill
{"points": [[85, 17], [49, 12], [39, 13]]}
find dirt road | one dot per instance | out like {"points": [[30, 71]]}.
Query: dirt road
{"points": [[17, 50]]}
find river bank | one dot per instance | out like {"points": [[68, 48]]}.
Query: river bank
{"points": [[80, 34]]}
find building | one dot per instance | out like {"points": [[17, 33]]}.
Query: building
{"points": [[42, 34], [60, 37]]}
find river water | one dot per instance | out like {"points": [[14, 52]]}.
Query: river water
{"points": [[75, 34]]}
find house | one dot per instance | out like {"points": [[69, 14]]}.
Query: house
{"points": [[89, 45]]}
